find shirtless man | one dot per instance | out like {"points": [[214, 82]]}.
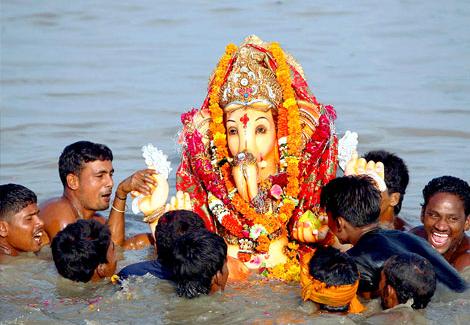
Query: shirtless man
{"points": [[446, 216], [20, 227], [86, 172]]}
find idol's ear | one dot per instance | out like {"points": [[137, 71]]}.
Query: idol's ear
{"points": [[394, 198], [423, 208], [467, 223], [73, 182], [3, 228]]}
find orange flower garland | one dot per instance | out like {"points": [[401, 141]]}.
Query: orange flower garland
{"points": [[217, 128]]}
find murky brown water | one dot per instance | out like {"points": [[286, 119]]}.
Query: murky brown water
{"points": [[122, 73]]}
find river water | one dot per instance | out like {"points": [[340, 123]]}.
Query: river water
{"points": [[122, 72]]}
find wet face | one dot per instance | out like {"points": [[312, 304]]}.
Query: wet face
{"points": [[110, 267], [220, 279], [445, 222], [25, 230], [253, 131], [96, 185], [386, 294], [384, 202]]}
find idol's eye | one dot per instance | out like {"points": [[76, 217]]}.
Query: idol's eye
{"points": [[261, 129], [232, 131]]}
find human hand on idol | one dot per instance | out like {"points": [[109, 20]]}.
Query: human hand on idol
{"points": [[360, 166], [142, 182]]}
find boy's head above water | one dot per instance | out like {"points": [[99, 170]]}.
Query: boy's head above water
{"points": [[21, 230], [334, 281], [407, 276], [200, 264], [396, 179], [352, 204], [170, 227], [84, 251]]}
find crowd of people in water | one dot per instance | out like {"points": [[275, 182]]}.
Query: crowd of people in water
{"points": [[257, 192], [385, 259]]}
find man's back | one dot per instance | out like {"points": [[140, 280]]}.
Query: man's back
{"points": [[376, 246]]}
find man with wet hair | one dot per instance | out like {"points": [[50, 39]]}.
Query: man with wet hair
{"points": [[199, 264], [171, 226], [353, 207], [396, 179], [84, 251], [86, 172], [331, 281], [404, 277], [21, 230], [445, 215]]}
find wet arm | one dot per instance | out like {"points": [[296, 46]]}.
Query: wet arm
{"points": [[139, 182]]}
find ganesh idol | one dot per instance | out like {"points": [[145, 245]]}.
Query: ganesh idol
{"points": [[257, 153]]}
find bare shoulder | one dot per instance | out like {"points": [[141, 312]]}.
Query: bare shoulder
{"points": [[56, 213], [462, 259], [55, 208]]}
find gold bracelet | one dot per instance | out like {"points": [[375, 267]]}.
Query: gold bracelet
{"points": [[154, 215], [114, 208]]}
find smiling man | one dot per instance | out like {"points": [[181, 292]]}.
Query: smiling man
{"points": [[446, 216], [86, 172], [21, 230]]}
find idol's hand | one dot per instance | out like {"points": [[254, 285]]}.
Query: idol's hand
{"points": [[304, 232], [181, 201], [360, 166], [245, 174]]}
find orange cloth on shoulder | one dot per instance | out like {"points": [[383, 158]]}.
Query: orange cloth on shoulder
{"points": [[317, 291]]}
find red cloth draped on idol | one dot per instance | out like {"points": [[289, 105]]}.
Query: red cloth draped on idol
{"points": [[256, 155]]}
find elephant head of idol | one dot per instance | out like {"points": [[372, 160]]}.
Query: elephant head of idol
{"points": [[251, 97]]}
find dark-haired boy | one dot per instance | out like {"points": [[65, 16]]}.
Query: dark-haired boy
{"points": [[331, 280], [84, 251], [170, 227], [21, 230], [86, 172], [353, 207], [199, 264], [396, 179], [445, 215], [404, 277]]}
